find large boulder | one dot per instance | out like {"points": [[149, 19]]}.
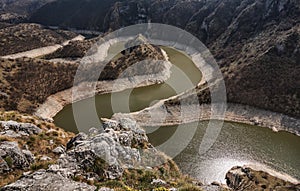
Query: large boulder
{"points": [[104, 155]]}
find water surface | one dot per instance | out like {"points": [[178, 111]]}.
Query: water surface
{"points": [[133, 99], [237, 144]]}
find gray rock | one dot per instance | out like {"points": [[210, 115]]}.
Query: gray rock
{"points": [[45, 158], [47, 181], [108, 124], [94, 131], [19, 159], [29, 156], [15, 129], [76, 140], [158, 182], [212, 188], [105, 154], [10, 133], [59, 150], [3, 166], [95, 157], [27, 173], [105, 189]]}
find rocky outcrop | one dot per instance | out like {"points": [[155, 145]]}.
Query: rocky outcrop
{"points": [[247, 179], [15, 129], [112, 156], [105, 153], [140, 58], [46, 181], [12, 157]]}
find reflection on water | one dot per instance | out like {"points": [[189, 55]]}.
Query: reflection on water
{"points": [[238, 144]]}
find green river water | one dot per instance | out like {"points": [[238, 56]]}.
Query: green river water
{"points": [[237, 144]]}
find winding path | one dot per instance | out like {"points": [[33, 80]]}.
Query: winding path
{"points": [[43, 50]]}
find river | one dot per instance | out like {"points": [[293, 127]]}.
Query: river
{"points": [[139, 98], [237, 144]]}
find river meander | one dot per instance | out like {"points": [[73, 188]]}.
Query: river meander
{"points": [[237, 144]]}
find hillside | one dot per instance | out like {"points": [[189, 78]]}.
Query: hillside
{"points": [[26, 82], [80, 14], [17, 11], [255, 42], [24, 7], [15, 38]]}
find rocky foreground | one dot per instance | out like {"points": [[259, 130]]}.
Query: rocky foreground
{"points": [[36, 155]]}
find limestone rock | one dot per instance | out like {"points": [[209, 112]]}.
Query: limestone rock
{"points": [[14, 156], [158, 182], [15, 129], [105, 189], [29, 156], [103, 155], [76, 140], [59, 150], [3, 166], [45, 158], [46, 181]]}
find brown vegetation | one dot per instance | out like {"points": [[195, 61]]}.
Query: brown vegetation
{"points": [[26, 83], [24, 37], [39, 144]]}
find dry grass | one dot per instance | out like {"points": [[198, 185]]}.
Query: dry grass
{"points": [[39, 144], [16, 38], [26, 83]]}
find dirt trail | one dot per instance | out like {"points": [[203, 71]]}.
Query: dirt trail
{"points": [[43, 50]]}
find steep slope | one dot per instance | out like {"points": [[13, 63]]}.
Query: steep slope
{"points": [[23, 7], [16, 11], [81, 14]]}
